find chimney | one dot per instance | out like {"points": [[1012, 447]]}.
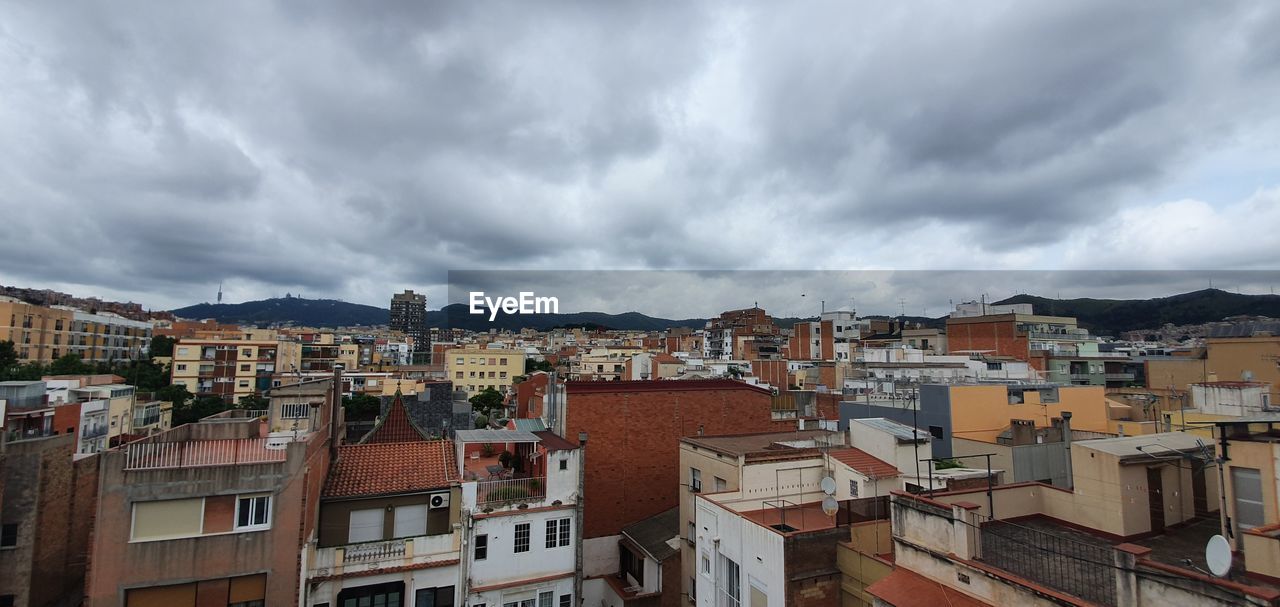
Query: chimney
{"points": [[1066, 447]]}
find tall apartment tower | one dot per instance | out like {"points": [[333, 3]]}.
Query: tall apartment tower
{"points": [[409, 315]]}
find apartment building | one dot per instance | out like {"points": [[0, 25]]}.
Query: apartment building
{"points": [[231, 368], [1131, 533], [213, 512], [106, 337], [522, 526], [389, 529], [1026, 337], [46, 514], [39, 334], [773, 539], [409, 316], [834, 336], [477, 369]]}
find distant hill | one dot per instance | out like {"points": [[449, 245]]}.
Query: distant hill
{"points": [[1112, 316], [1100, 316], [290, 310], [457, 316]]}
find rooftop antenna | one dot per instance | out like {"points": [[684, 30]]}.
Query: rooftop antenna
{"points": [[1217, 554], [219, 291]]}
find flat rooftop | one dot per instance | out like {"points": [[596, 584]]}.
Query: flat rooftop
{"points": [[743, 444], [799, 518]]}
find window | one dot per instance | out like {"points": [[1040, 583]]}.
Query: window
{"points": [[503, 375], [9, 535], [522, 537], [706, 564], [182, 366], [491, 375], [6, 600], [253, 603], [246, 368], [631, 564], [457, 375], [434, 597], [365, 526], [693, 533], [936, 432], [1247, 486], [558, 532], [458, 361], [482, 547], [564, 463], [167, 519], [546, 598], [720, 484], [729, 583], [295, 410], [492, 361], [853, 488], [410, 521], [695, 480], [246, 353], [253, 512], [566, 600]]}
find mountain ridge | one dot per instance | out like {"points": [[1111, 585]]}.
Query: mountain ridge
{"points": [[1101, 316]]}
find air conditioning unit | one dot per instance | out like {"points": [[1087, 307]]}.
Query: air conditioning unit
{"points": [[439, 500]]}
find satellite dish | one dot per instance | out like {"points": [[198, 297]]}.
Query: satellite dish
{"points": [[829, 505], [1217, 553], [828, 485]]}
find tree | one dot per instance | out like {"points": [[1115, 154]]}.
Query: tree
{"points": [[531, 365], [8, 356], [253, 402], [361, 407], [202, 407], [482, 422], [70, 364], [176, 394], [485, 403], [161, 345]]}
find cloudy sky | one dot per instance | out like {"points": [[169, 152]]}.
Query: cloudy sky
{"points": [[152, 150]]}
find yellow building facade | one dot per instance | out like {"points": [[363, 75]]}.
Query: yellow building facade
{"points": [[475, 369]]}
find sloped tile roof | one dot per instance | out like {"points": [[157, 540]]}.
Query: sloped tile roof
{"points": [[387, 468], [395, 426], [864, 463]]}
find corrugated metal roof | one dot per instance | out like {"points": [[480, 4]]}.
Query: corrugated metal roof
{"points": [[901, 431], [530, 425], [495, 436]]}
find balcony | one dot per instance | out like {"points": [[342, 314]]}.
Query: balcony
{"points": [[493, 494], [92, 432], [336, 560], [1119, 377], [201, 453], [1062, 336]]}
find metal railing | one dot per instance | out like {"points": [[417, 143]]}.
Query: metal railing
{"points": [[191, 454], [1081, 569], [510, 491], [1119, 376]]}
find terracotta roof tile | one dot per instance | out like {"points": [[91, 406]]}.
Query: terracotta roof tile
{"points": [[385, 468], [865, 463], [395, 427], [906, 588]]}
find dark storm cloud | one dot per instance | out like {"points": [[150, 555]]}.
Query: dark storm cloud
{"points": [[353, 150]]}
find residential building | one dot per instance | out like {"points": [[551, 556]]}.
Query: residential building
{"points": [[39, 334], [734, 333], [390, 528], [409, 316], [120, 403], [910, 364], [213, 512], [233, 369], [1026, 337], [1131, 533], [983, 411], [46, 516], [647, 365], [477, 369], [107, 337], [521, 527], [774, 539], [648, 571], [27, 413], [834, 336]]}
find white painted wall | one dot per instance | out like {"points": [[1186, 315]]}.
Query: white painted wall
{"points": [[503, 565], [600, 556], [757, 550]]}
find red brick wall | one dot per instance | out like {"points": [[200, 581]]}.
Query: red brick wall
{"points": [[67, 417], [828, 340], [1000, 337], [774, 372], [633, 452]]}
